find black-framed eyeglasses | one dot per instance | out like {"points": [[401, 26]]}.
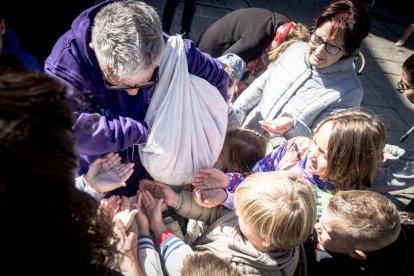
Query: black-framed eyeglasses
{"points": [[402, 87], [329, 47], [153, 81]]}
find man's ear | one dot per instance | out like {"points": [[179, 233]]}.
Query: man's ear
{"points": [[358, 254], [91, 45]]}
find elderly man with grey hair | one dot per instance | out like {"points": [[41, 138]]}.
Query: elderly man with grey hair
{"points": [[109, 60]]}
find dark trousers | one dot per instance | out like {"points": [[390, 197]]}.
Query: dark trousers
{"points": [[186, 19]]}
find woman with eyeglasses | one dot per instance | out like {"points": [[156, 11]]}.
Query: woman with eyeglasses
{"points": [[309, 81], [398, 171]]}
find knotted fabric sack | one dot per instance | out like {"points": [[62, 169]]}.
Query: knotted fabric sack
{"points": [[187, 118]]}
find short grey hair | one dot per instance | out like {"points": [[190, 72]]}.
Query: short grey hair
{"points": [[127, 38]]}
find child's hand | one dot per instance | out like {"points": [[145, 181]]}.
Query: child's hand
{"points": [[111, 205], [153, 209], [210, 198], [124, 214], [160, 190], [108, 173], [278, 126], [209, 179], [140, 218]]}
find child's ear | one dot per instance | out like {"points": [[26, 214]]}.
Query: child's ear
{"points": [[266, 243], [384, 156], [358, 254]]}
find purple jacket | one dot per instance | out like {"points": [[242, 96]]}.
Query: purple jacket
{"points": [[106, 120]]}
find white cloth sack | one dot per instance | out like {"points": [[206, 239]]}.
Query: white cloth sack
{"points": [[187, 118]]}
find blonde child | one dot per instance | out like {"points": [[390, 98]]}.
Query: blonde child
{"points": [[275, 213], [359, 233]]}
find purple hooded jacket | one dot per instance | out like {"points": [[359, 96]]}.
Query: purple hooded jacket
{"points": [[112, 121]]}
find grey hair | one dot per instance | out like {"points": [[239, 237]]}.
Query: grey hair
{"points": [[127, 38]]}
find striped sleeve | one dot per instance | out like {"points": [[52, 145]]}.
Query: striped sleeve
{"points": [[173, 251], [148, 257]]}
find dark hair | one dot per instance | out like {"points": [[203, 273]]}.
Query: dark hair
{"points": [[408, 68], [39, 205], [241, 150], [347, 16]]}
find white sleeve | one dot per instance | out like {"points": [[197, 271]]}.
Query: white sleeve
{"points": [[80, 185], [174, 251], [149, 259]]}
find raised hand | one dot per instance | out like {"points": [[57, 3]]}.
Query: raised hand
{"points": [[278, 126], [140, 218], [124, 213], [210, 198], [108, 173], [160, 190], [153, 209], [209, 179], [111, 205]]}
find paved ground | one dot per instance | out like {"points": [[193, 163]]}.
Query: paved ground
{"points": [[384, 59]]}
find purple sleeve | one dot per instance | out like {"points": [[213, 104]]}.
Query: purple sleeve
{"points": [[206, 67], [96, 134], [229, 202], [235, 179]]}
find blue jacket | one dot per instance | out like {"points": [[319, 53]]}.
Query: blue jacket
{"points": [[106, 120], [12, 46]]}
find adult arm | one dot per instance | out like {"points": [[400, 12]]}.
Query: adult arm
{"points": [[97, 134]]}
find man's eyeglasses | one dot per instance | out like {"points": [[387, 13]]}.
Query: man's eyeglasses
{"points": [[329, 47], [154, 79], [402, 87]]}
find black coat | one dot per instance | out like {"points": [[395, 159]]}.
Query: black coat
{"points": [[244, 32]]}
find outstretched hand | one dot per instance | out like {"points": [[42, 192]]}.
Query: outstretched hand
{"points": [[209, 179], [210, 198], [141, 218], [153, 209], [124, 213], [278, 126], [108, 173], [160, 190]]}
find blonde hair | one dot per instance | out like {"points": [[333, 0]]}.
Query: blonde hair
{"points": [[279, 206], [298, 33], [367, 219], [355, 148], [205, 264], [242, 149]]}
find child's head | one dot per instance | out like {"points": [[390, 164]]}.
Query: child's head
{"points": [[242, 148], [407, 79], [205, 264], [276, 210], [347, 149], [357, 221], [235, 68]]}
